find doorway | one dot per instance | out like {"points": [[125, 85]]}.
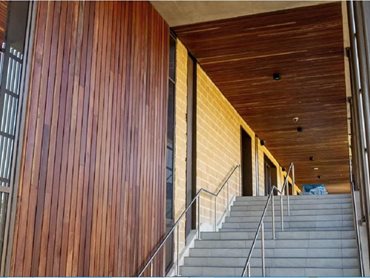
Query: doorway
{"points": [[246, 163], [270, 175]]}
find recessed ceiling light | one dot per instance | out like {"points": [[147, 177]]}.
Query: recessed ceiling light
{"points": [[295, 119], [276, 76], [316, 168]]}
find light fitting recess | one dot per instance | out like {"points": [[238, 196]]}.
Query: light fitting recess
{"points": [[276, 76]]}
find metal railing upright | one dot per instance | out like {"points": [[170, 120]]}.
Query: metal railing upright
{"points": [[261, 227], [356, 222]]}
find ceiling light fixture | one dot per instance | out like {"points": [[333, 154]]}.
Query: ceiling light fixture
{"points": [[276, 76], [316, 168]]}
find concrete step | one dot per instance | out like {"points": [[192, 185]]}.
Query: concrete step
{"points": [[268, 218], [273, 262], [300, 197], [281, 271], [293, 224], [318, 240], [277, 252], [295, 201], [292, 207], [282, 243], [300, 235], [278, 228], [310, 212]]}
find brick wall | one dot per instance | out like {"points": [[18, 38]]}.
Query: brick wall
{"points": [[180, 136], [218, 147], [218, 144]]}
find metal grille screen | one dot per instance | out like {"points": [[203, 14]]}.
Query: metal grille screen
{"points": [[14, 17]]}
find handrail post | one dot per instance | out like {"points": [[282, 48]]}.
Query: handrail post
{"points": [[249, 269], [263, 248], [198, 203], [215, 220], [273, 216], [227, 194], [261, 225], [288, 204], [281, 212], [356, 223], [177, 250], [151, 269], [293, 183]]}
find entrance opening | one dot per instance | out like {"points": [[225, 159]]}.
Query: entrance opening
{"points": [[246, 163], [270, 175]]}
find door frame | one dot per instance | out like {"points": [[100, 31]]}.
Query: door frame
{"points": [[267, 163]]}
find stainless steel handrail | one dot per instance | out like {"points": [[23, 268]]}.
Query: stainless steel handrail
{"points": [[355, 219], [176, 225], [247, 266]]}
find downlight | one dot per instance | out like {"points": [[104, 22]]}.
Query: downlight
{"points": [[276, 76]]}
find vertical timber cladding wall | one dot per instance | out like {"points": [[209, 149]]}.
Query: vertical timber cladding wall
{"points": [[92, 179], [3, 19], [218, 142]]}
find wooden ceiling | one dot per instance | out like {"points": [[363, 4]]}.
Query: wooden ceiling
{"points": [[305, 45]]}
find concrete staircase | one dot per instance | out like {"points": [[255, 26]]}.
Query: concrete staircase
{"points": [[318, 240]]}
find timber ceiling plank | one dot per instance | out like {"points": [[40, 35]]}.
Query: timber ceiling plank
{"points": [[305, 45]]}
